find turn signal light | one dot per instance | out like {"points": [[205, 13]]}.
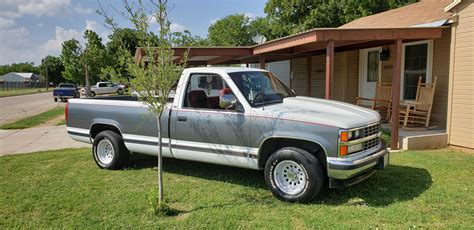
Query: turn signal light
{"points": [[343, 150], [345, 136]]}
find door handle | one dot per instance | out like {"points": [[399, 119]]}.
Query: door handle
{"points": [[182, 118]]}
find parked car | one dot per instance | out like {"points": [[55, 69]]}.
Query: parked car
{"points": [[65, 91], [244, 118], [106, 88]]}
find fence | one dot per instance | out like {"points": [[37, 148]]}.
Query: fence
{"points": [[21, 85]]}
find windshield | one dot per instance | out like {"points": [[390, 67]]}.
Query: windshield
{"points": [[260, 88], [66, 86]]}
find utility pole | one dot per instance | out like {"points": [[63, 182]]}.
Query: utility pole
{"points": [[47, 84]]}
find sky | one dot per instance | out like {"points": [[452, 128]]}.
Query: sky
{"points": [[33, 29]]}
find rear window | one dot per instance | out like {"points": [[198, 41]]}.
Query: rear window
{"points": [[67, 86]]}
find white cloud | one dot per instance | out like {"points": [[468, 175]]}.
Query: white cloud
{"points": [[175, 27], [91, 25], [83, 10], [53, 46], [6, 23], [42, 7], [15, 46]]}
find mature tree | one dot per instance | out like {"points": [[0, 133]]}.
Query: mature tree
{"points": [[185, 38], [84, 61], [25, 67], [292, 16], [153, 84], [52, 67], [231, 30]]}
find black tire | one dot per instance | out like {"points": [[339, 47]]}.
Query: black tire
{"points": [[55, 99], [92, 94], [120, 156], [120, 92], [309, 169]]}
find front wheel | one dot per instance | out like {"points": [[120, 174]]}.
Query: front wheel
{"points": [[294, 175], [109, 150], [92, 94], [120, 92]]}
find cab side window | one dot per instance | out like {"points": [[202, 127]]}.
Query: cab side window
{"points": [[102, 85], [204, 90]]}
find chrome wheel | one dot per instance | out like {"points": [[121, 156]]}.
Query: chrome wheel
{"points": [[105, 151], [290, 177]]}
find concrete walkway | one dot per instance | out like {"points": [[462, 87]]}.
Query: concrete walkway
{"points": [[36, 139]]}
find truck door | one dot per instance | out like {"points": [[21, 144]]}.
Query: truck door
{"points": [[205, 131], [101, 88]]}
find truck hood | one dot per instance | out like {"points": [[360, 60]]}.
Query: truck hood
{"points": [[323, 112]]}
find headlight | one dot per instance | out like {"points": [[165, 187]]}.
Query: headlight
{"points": [[349, 135], [354, 148]]}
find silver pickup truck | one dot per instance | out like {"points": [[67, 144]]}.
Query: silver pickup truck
{"points": [[245, 118]]}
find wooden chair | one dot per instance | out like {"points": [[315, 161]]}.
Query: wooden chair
{"points": [[382, 101], [419, 110]]}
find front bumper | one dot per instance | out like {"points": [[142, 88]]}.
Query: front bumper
{"points": [[343, 172]]}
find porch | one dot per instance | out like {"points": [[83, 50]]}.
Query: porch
{"points": [[327, 63]]}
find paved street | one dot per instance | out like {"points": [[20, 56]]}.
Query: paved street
{"points": [[36, 139], [17, 107]]}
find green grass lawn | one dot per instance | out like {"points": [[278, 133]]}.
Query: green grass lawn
{"points": [[34, 120], [16, 92], [427, 189]]}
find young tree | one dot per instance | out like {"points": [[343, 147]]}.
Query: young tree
{"points": [[154, 81], [86, 62]]}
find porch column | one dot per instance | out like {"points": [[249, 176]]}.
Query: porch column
{"points": [[262, 61], [396, 93], [247, 65], [308, 76], [329, 67]]}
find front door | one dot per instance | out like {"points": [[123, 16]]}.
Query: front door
{"points": [[370, 72], [205, 131]]}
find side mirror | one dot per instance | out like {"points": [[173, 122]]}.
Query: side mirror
{"points": [[227, 101]]}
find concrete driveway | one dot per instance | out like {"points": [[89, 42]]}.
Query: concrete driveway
{"points": [[36, 139], [18, 107]]}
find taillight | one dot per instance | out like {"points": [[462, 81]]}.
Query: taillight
{"points": [[66, 111]]}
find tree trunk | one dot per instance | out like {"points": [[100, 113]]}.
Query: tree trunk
{"points": [[160, 169], [88, 84]]}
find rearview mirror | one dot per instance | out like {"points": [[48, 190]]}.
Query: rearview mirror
{"points": [[227, 101]]}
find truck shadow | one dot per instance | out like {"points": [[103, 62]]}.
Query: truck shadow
{"points": [[394, 184]]}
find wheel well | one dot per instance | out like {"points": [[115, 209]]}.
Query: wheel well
{"points": [[273, 144], [97, 128]]}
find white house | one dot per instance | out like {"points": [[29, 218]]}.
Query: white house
{"points": [[20, 77]]}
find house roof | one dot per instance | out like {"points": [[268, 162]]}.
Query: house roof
{"points": [[425, 12], [24, 75]]}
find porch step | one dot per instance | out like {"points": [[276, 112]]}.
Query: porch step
{"points": [[423, 142]]}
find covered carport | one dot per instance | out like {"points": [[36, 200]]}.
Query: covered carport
{"points": [[320, 41]]}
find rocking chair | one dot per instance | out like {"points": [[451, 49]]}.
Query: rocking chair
{"points": [[382, 100], [419, 110]]}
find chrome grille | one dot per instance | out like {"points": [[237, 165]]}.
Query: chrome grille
{"points": [[370, 144], [371, 130]]}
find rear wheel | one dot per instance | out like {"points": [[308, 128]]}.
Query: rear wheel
{"points": [[120, 92], [92, 94], [109, 150], [294, 175]]}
